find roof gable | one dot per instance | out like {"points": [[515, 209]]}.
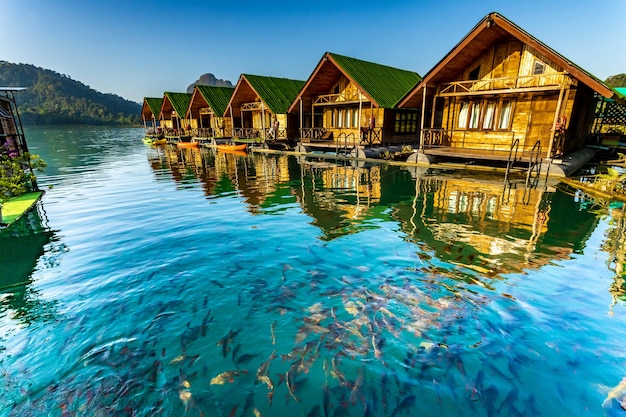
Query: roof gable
{"points": [[276, 93], [179, 102], [383, 84], [217, 98], [151, 107], [491, 29]]}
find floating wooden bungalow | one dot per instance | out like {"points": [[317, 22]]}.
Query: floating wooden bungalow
{"points": [[501, 94], [258, 108], [12, 136], [150, 111], [347, 101], [206, 110], [172, 116], [13, 146]]}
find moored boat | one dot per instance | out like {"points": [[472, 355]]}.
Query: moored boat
{"points": [[232, 148], [192, 144]]}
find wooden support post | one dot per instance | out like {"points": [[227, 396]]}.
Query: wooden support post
{"points": [[557, 112], [432, 115], [301, 118], [232, 121], [422, 118]]}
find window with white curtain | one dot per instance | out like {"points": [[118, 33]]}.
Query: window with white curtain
{"points": [[490, 109], [463, 114], [474, 116], [506, 109]]}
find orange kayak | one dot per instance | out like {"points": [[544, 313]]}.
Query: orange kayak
{"points": [[232, 148], [187, 144]]}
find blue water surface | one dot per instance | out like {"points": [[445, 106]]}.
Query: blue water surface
{"points": [[157, 281]]}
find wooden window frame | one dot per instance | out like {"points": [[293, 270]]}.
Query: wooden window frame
{"points": [[539, 64], [498, 115], [405, 122], [484, 105]]}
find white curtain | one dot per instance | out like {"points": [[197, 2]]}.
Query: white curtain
{"points": [[505, 115], [488, 118], [475, 116], [463, 113]]}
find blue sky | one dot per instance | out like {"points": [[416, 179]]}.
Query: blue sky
{"points": [[139, 49]]}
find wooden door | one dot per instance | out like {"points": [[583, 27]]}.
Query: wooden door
{"points": [[541, 117]]}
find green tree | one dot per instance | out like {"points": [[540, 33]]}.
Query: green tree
{"points": [[618, 80]]}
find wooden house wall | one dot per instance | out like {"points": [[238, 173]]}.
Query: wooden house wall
{"points": [[533, 112], [219, 123]]}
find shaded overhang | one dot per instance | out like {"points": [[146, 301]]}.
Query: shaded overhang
{"points": [[493, 28]]}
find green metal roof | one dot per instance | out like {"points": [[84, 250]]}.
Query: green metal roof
{"points": [[621, 91], [154, 104], [385, 85], [276, 93], [216, 97], [180, 102]]}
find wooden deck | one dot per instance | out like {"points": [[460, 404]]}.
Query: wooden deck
{"points": [[467, 153]]}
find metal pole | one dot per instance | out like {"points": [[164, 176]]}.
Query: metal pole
{"points": [[423, 116]]}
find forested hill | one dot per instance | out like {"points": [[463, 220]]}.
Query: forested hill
{"points": [[53, 98]]}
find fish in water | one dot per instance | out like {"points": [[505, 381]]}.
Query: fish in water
{"points": [[615, 403], [289, 380], [245, 358], [315, 411], [226, 340], [262, 376], [228, 376], [272, 330], [478, 386], [406, 403]]}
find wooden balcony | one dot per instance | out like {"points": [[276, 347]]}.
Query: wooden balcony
{"points": [[525, 83], [341, 98]]}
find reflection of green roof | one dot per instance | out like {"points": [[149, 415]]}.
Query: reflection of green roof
{"points": [[154, 104], [216, 97], [385, 85], [180, 102], [276, 93]]}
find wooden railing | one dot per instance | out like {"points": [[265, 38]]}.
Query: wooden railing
{"points": [[312, 133], [371, 136], [247, 132], [334, 98], [435, 137], [503, 83], [257, 105]]}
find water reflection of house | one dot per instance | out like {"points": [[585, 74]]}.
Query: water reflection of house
{"points": [[206, 111], [150, 111], [258, 108], [500, 90], [485, 225], [347, 100], [172, 116]]}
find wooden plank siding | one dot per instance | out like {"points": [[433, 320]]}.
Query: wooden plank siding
{"points": [[498, 85], [510, 65]]}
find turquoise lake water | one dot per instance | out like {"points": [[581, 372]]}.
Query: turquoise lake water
{"points": [[156, 281]]}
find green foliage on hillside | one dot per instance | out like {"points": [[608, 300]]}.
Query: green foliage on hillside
{"points": [[618, 80], [53, 98]]}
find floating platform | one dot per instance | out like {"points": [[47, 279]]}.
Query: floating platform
{"points": [[16, 207]]}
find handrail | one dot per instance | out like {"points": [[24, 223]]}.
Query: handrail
{"points": [[512, 157], [312, 133], [534, 164], [333, 98], [502, 83]]}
